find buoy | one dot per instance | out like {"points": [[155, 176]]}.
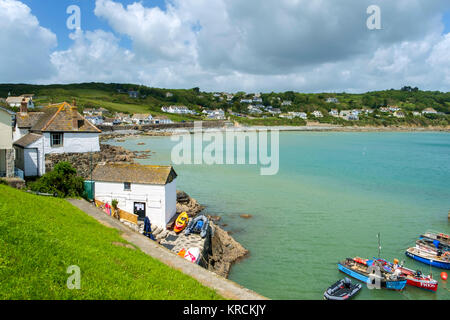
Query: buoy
{"points": [[444, 275]]}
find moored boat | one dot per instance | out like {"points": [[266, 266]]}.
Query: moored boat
{"points": [[362, 272], [342, 290], [413, 278], [439, 236], [434, 260]]}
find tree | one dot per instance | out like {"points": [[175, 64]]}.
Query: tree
{"points": [[62, 180]]}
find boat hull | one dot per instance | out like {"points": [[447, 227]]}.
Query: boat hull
{"points": [[433, 263], [393, 285]]}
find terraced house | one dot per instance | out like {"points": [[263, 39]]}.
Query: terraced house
{"points": [[6, 147], [58, 128]]}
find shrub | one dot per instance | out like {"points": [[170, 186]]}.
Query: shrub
{"points": [[62, 180]]}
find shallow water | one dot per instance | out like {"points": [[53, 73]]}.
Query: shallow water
{"points": [[333, 193]]}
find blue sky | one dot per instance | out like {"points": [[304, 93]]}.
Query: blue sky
{"points": [[52, 15], [229, 45]]}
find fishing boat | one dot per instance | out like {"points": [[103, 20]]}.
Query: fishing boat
{"points": [[362, 272], [434, 260], [439, 236], [342, 290], [413, 278]]}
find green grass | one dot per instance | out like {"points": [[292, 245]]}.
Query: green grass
{"points": [[41, 237]]}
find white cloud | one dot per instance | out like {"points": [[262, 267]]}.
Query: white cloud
{"points": [[94, 56], [266, 45], [25, 46]]}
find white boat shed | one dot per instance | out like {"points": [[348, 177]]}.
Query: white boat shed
{"points": [[139, 189]]}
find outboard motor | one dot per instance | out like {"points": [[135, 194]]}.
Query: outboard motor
{"points": [[347, 282]]}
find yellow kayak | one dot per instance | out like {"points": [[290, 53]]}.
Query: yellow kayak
{"points": [[181, 222]]}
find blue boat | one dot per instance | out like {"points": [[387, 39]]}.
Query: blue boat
{"points": [[442, 262], [360, 272]]}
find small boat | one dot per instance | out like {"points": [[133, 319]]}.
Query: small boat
{"points": [[438, 260], [193, 255], [413, 278], [181, 222], [439, 236], [362, 272], [199, 225], [433, 244], [342, 290]]}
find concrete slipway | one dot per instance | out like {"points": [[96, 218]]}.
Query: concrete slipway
{"points": [[228, 289]]}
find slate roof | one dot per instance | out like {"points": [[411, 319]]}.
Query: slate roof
{"points": [[58, 118], [134, 173], [27, 120], [27, 139]]}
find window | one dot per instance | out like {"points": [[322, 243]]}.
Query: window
{"points": [[56, 139], [127, 186]]}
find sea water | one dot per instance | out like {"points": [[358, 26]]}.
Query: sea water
{"points": [[334, 192]]}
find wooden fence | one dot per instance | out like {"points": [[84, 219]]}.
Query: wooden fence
{"points": [[130, 217]]}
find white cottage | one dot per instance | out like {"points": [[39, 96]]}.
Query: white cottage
{"points": [[59, 128], [6, 147], [147, 191]]}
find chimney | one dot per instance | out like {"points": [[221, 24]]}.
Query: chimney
{"points": [[74, 103], [23, 106], [74, 113]]}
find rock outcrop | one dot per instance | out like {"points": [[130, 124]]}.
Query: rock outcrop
{"points": [[82, 161], [187, 204], [224, 252]]}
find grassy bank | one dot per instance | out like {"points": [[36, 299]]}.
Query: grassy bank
{"points": [[41, 237]]}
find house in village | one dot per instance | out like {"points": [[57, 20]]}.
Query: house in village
{"points": [[317, 114], [162, 120], [140, 118], [58, 128], [177, 110], [17, 101], [6, 147], [334, 113], [331, 100], [146, 191], [399, 114], [429, 111], [217, 114]]}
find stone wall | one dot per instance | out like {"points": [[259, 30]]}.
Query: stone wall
{"points": [[10, 157], [82, 161], [145, 127]]}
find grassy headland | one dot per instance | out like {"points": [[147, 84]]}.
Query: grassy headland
{"points": [[41, 237]]}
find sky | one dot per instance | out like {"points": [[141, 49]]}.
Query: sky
{"points": [[229, 45]]}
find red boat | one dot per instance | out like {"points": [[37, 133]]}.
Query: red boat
{"points": [[413, 278]]}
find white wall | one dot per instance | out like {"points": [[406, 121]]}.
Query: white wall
{"points": [[74, 142], [5, 130], [25, 161], [160, 200], [19, 133]]}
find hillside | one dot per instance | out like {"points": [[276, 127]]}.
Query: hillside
{"points": [[115, 98], [41, 237]]}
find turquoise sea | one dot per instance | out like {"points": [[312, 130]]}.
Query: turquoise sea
{"points": [[333, 193]]}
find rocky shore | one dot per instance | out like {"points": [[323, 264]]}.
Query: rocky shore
{"points": [[223, 250]]}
